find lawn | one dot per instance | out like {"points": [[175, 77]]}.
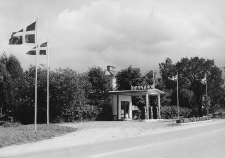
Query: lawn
{"points": [[20, 134]]}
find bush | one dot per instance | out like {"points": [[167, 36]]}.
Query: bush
{"points": [[218, 115], [79, 113], [186, 120], [9, 124], [136, 114], [105, 113], [170, 112]]}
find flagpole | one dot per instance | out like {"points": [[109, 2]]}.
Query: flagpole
{"points": [[48, 82], [36, 63], [178, 111], [206, 84], [206, 93], [154, 79]]}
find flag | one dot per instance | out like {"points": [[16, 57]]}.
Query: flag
{"points": [[203, 80], [173, 78], [16, 38], [42, 49], [24, 35], [30, 33]]}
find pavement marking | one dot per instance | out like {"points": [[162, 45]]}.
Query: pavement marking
{"points": [[148, 145]]}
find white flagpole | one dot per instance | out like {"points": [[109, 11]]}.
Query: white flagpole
{"points": [[207, 110], [178, 111], [36, 65], [153, 79], [48, 82]]}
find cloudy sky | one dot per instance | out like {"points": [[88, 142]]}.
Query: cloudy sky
{"points": [[141, 33]]}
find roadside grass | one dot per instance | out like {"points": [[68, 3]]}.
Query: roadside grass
{"points": [[21, 134]]}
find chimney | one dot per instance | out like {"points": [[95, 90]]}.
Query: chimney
{"points": [[112, 82]]}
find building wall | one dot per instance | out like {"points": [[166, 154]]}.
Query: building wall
{"points": [[114, 106], [117, 113]]}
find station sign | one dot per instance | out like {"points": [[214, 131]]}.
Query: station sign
{"points": [[144, 87]]}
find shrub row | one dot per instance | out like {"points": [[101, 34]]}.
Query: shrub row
{"points": [[193, 119], [9, 124], [170, 112], [79, 113], [218, 115]]}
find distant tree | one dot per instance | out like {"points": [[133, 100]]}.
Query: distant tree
{"points": [[66, 92], [192, 70], [99, 86], [167, 69], [98, 92], [12, 83], [148, 79], [5, 88], [127, 77]]}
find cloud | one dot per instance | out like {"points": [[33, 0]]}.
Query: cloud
{"points": [[109, 32], [105, 24]]}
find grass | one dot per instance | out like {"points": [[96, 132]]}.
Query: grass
{"points": [[21, 134]]}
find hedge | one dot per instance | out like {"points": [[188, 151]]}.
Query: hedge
{"points": [[193, 119], [170, 112]]}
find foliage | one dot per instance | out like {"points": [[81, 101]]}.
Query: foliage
{"points": [[127, 77], [148, 80], [9, 124], [136, 114], [191, 90], [167, 69], [170, 112], [79, 96], [193, 70], [79, 113], [97, 94], [11, 84], [193, 119]]}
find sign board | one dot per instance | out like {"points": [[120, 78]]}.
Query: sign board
{"points": [[142, 87]]}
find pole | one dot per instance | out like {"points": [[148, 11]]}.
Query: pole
{"points": [[206, 85], [207, 106], [154, 79], [178, 111], [36, 64], [147, 107], [48, 82]]}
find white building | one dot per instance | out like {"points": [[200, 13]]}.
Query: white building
{"points": [[121, 101]]}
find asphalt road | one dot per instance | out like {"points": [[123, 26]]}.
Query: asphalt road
{"points": [[205, 141]]}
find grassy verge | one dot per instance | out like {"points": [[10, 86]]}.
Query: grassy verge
{"points": [[20, 134]]}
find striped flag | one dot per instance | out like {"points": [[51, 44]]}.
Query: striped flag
{"points": [[26, 35], [42, 49]]}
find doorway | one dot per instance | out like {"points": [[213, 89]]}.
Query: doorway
{"points": [[124, 109]]}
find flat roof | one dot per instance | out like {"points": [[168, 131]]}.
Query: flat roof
{"points": [[136, 92]]}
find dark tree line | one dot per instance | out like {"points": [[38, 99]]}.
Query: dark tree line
{"points": [[191, 91], [77, 96], [73, 95]]}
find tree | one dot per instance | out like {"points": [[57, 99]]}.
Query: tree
{"points": [[99, 86], [67, 91], [167, 69], [98, 92], [127, 77], [192, 70], [12, 83]]}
